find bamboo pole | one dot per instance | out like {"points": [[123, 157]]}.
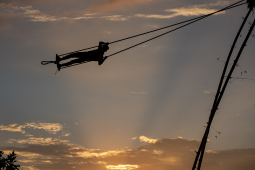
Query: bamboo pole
{"points": [[214, 109], [224, 88]]}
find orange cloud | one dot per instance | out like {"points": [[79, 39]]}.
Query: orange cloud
{"points": [[38, 141], [108, 5], [34, 15], [12, 128], [164, 154], [148, 140], [189, 11], [122, 167], [194, 10], [49, 127], [52, 128]]}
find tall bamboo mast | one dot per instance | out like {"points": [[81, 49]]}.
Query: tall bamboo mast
{"points": [[218, 97]]}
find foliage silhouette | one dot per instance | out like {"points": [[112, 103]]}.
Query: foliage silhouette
{"points": [[8, 163]]}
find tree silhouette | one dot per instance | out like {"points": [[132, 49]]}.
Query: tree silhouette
{"points": [[8, 163]]}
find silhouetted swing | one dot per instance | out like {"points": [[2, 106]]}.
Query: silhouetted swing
{"points": [[84, 56]]}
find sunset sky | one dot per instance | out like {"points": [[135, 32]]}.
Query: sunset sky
{"points": [[143, 109]]}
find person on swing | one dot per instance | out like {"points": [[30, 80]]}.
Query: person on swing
{"points": [[94, 55]]}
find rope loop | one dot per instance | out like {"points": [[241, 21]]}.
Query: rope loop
{"points": [[46, 62]]}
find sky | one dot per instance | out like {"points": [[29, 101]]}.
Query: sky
{"points": [[142, 109]]}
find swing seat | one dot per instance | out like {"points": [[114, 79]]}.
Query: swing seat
{"points": [[57, 62]]}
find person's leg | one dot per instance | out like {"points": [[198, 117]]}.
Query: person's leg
{"points": [[73, 55], [79, 60]]}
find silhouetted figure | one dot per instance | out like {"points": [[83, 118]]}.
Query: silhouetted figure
{"points": [[94, 55]]}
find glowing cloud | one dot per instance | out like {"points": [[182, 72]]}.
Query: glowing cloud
{"points": [[38, 16], [49, 127], [194, 10], [91, 153], [157, 152], [12, 128], [148, 140], [52, 128], [38, 141], [175, 154], [189, 11], [122, 167], [115, 18], [27, 12]]}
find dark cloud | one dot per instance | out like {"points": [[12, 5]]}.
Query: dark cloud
{"points": [[164, 154]]}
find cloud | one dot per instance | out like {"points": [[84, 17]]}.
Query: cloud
{"points": [[148, 140], [108, 5], [115, 18], [218, 3], [12, 128], [164, 154], [122, 167], [157, 152], [205, 91], [66, 134], [12, 11], [52, 128], [194, 10], [25, 12], [38, 141], [188, 11], [49, 127], [42, 18]]}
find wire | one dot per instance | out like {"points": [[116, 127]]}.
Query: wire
{"points": [[156, 29], [168, 32], [199, 18]]}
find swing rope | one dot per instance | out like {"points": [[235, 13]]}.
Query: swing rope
{"points": [[167, 32], [226, 8], [195, 20], [46, 62]]}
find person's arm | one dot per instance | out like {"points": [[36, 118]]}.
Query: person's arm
{"points": [[100, 45], [101, 61]]}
